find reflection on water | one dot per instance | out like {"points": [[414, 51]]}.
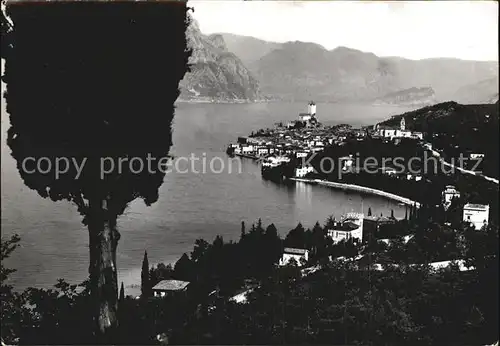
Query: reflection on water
{"points": [[191, 206]]}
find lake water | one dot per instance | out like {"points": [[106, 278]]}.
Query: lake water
{"points": [[54, 243]]}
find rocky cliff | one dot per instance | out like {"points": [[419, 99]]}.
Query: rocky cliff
{"points": [[217, 75]]}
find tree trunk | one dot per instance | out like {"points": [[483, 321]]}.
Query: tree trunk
{"points": [[103, 242]]}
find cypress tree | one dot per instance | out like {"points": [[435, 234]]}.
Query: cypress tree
{"points": [[260, 229], [56, 74], [369, 211], [122, 293], [392, 214], [243, 232], [145, 284]]}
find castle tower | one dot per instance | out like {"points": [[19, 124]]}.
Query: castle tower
{"points": [[311, 108], [402, 125]]}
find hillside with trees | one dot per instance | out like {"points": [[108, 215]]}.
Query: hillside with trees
{"points": [[458, 129]]}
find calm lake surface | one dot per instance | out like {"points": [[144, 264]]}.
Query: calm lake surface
{"points": [[54, 243]]}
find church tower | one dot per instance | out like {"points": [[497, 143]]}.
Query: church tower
{"points": [[311, 108], [402, 125]]}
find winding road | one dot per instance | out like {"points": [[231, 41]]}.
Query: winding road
{"points": [[437, 154]]}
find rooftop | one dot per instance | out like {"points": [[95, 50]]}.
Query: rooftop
{"points": [[345, 227], [476, 206], [171, 285], [378, 219], [295, 251]]}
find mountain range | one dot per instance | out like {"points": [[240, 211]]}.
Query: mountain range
{"points": [[229, 67], [408, 97]]}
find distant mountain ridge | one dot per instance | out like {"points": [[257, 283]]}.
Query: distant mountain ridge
{"points": [[248, 49], [409, 97], [217, 75], [302, 71], [485, 91]]}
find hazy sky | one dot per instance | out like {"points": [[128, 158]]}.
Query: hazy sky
{"points": [[415, 30]]}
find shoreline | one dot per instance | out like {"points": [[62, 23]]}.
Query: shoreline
{"points": [[243, 101], [358, 188], [236, 101]]}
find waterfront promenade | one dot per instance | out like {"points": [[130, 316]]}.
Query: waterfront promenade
{"points": [[358, 188]]}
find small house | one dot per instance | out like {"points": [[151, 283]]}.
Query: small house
{"points": [[301, 172], [169, 288], [476, 214], [298, 255]]}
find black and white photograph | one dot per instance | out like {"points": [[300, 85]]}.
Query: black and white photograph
{"points": [[249, 172]]}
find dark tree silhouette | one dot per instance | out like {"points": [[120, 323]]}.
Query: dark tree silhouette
{"points": [[369, 211], [9, 302], [122, 293], [94, 82], [243, 231], [183, 269], [145, 282]]}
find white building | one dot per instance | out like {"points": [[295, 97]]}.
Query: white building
{"points": [[416, 177], [301, 172], [311, 108], [349, 227], [387, 132], [274, 161], [476, 155], [401, 132], [448, 194], [247, 149], [298, 254], [170, 288], [263, 151], [346, 162], [417, 135], [304, 116], [476, 214], [311, 112]]}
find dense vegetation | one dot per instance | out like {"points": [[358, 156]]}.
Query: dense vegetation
{"points": [[344, 302]]}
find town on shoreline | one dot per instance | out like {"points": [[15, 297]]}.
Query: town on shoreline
{"points": [[287, 152]]}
